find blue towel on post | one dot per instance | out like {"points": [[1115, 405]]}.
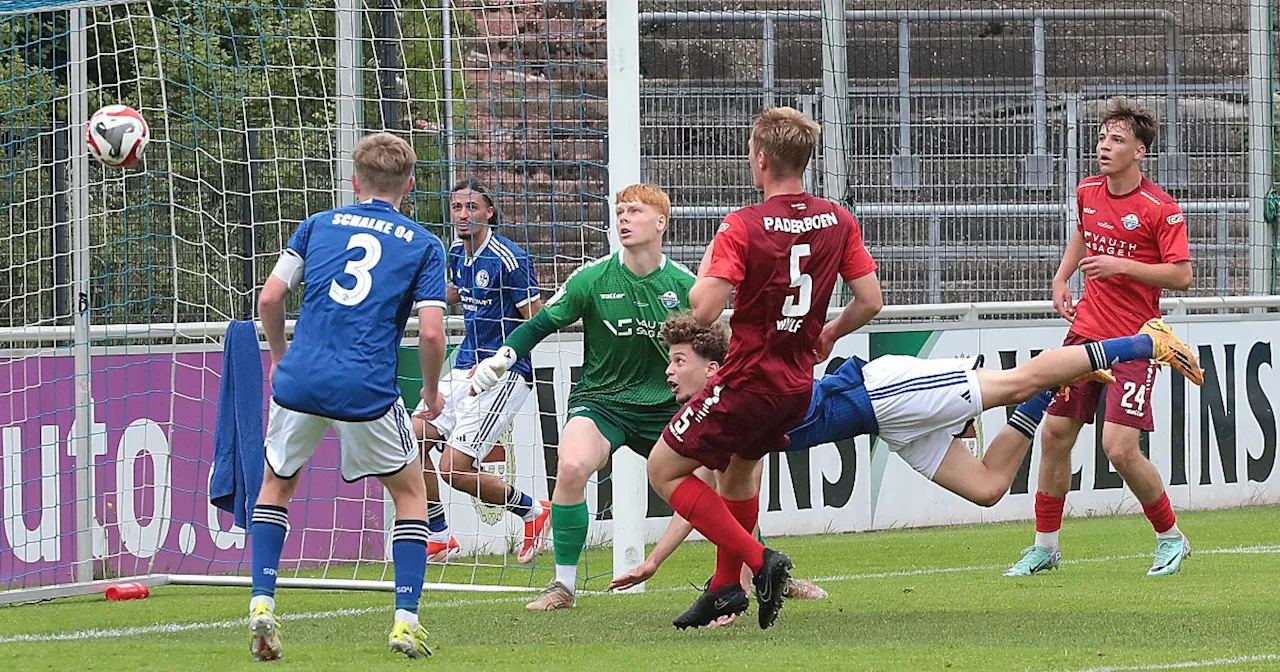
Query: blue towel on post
{"points": [[238, 437]]}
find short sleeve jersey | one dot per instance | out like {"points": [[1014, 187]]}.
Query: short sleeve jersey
{"points": [[1145, 225], [783, 257], [493, 285], [365, 268], [624, 358]]}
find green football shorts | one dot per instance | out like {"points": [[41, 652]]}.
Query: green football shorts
{"points": [[637, 427]]}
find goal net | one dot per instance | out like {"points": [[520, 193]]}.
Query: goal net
{"points": [[117, 285]]}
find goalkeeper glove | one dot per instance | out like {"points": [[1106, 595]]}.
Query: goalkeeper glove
{"points": [[492, 369]]}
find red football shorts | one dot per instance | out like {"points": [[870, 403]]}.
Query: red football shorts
{"points": [[720, 422], [1128, 399]]}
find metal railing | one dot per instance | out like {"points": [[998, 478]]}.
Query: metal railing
{"points": [[906, 171], [1052, 140]]}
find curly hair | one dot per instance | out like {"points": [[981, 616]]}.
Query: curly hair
{"points": [[710, 342]]}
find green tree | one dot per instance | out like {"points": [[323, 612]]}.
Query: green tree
{"points": [[166, 235]]}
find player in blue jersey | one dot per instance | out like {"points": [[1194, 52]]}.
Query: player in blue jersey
{"points": [[364, 268], [917, 407], [495, 283]]}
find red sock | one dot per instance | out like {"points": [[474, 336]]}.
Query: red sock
{"points": [[1049, 512], [697, 503], [728, 565], [1160, 513]]}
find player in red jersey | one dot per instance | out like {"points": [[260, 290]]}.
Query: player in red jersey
{"points": [[1130, 243], [783, 257]]}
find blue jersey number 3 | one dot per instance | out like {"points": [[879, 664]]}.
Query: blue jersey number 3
{"points": [[359, 269]]}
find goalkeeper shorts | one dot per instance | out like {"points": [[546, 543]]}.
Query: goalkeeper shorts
{"points": [[637, 427]]}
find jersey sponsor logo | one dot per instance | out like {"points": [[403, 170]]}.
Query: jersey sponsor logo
{"points": [[482, 279], [1090, 211], [797, 226], [1106, 225], [670, 300], [470, 302], [1130, 221], [1108, 245], [613, 295], [1175, 219], [634, 327]]}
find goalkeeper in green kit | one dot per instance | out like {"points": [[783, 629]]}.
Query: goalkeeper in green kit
{"points": [[623, 398]]}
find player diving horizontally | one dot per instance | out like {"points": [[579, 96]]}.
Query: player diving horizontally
{"points": [[918, 407]]}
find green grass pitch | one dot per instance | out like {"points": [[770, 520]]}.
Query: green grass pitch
{"points": [[902, 600]]}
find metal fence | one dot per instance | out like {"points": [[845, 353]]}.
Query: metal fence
{"points": [[959, 135]]}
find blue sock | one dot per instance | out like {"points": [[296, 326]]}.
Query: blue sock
{"points": [[267, 530], [409, 555], [436, 522], [518, 502], [1027, 416], [1104, 354]]}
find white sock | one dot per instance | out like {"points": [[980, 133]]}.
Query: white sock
{"points": [[1171, 533], [271, 602], [568, 576], [1047, 540], [534, 512], [408, 617]]}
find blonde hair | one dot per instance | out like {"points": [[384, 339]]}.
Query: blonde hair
{"points": [[384, 163], [650, 194], [786, 136]]}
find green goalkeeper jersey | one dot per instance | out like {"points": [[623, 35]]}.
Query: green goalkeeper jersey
{"points": [[624, 359]]}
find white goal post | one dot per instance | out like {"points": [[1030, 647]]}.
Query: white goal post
{"points": [[120, 283]]}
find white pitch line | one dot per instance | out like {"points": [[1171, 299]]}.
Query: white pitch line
{"points": [[164, 628], [167, 628], [1212, 662], [1079, 561]]}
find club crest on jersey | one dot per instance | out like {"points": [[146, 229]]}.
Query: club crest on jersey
{"points": [[482, 278], [670, 300], [1130, 221]]}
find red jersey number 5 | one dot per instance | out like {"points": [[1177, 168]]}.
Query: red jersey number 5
{"points": [[794, 306]]}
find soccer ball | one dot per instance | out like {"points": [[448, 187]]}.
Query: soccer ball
{"points": [[117, 134]]}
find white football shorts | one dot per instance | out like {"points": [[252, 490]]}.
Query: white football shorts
{"points": [[472, 424], [922, 404], [378, 447]]}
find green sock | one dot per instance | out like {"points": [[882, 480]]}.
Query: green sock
{"points": [[760, 536], [569, 531]]}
